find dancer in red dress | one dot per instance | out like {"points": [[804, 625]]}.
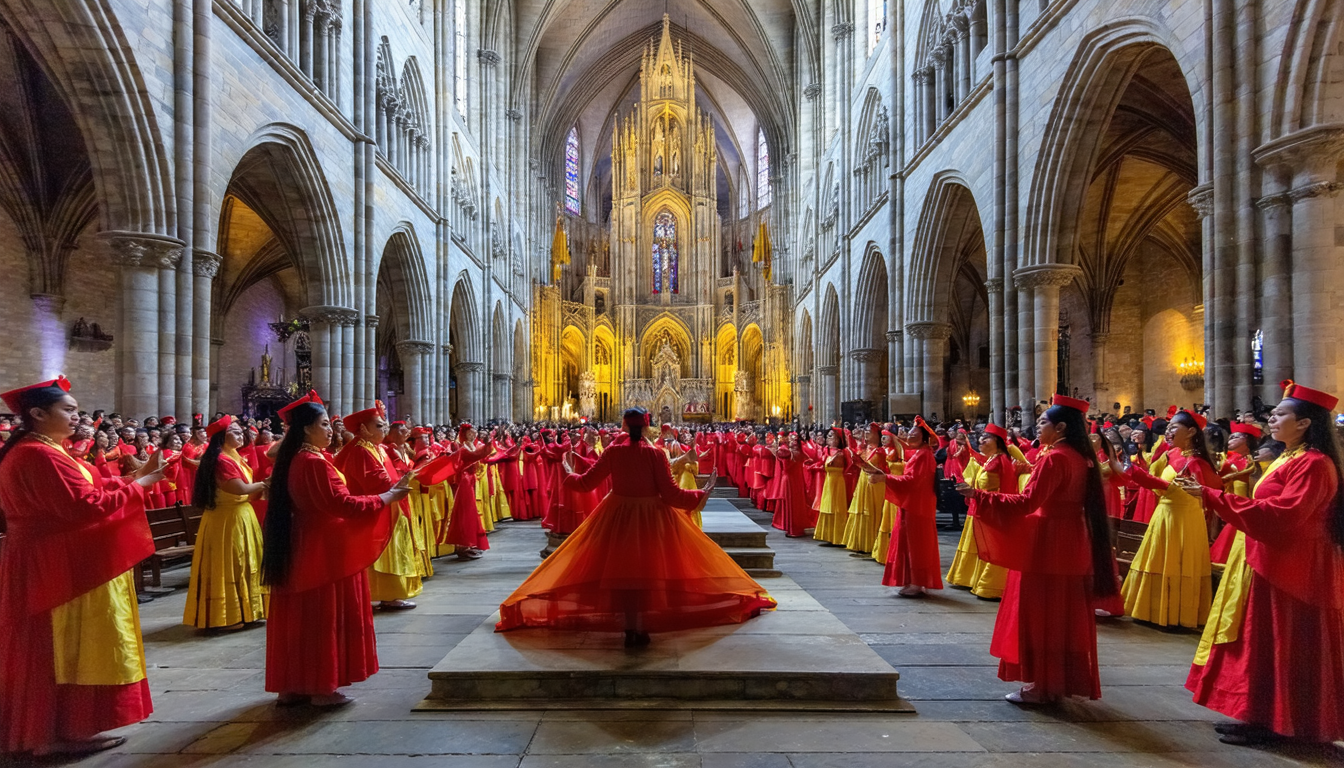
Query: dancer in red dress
{"points": [[1054, 538], [638, 564], [72, 660], [319, 542], [912, 558], [1272, 654]]}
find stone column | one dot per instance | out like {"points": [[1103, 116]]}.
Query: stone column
{"points": [[503, 397], [998, 401], [1201, 200], [469, 391], [866, 359], [1045, 280], [205, 266], [963, 30], [895, 364], [442, 384], [1276, 283], [1100, 387], [802, 390], [931, 340], [142, 258], [348, 319], [929, 99], [828, 397], [412, 374], [940, 64]]}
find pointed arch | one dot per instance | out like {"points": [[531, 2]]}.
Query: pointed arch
{"points": [[828, 328], [403, 263], [949, 228], [464, 323]]}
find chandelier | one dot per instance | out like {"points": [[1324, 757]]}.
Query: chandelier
{"points": [[1191, 372], [971, 400]]}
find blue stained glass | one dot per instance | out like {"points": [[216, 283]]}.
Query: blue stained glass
{"points": [[572, 172], [665, 256]]}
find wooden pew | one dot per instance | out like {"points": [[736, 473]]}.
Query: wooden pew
{"points": [[1126, 536], [173, 540]]}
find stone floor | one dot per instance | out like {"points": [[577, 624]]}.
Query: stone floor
{"points": [[210, 709]]}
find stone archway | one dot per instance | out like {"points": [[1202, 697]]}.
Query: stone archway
{"points": [[466, 383], [869, 347], [828, 361], [403, 352]]}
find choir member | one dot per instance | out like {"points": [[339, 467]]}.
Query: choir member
{"points": [[72, 660], [865, 508], [225, 590], [912, 558], [833, 505], [1272, 654], [991, 469], [319, 541]]}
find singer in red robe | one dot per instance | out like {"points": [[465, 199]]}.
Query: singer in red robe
{"points": [[913, 562]]}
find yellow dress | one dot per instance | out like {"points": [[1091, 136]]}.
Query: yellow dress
{"points": [[423, 515], [882, 542], [484, 507], [833, 513], [96, 637], [1170, 582], [225, 586], [442, 495], [967, 569], [499, 500], [395, 575], [865, 513], [687, 480]]}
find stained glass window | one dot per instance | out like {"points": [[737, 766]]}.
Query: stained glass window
{"points": [[665, 256], [572, 172], [877, 21], [460, 55], [763, 196]]}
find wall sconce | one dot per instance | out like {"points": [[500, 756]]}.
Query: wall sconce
{"points": [[1192, 374]]}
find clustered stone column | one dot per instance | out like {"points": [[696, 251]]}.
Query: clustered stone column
{"points": [[411, 354], [929, 347], [869, 377], [828, 394], [142, 258], [1042, 283], [470, 390], [802, 389]]}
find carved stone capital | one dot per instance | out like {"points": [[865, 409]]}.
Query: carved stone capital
{"points": [[488, 57], [1319, 189], [894, 336], [205, 263], [934, 331], [412, 348], [1041, 275], [842, 31], [828, 370], [803, 379], [866, 354], [135, 249], [446, 349], [812, 91], [1100, 337], [330, 315], [1201, 199], [994, 284], [502, 377], [1270, 202], [514, 115], [48, 303], [371, 321], [1321, 146], [470, 367]]}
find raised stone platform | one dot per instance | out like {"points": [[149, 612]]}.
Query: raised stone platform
{"points": [[799, 657]]}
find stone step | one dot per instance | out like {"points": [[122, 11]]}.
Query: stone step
{"points": [[752, 557]]}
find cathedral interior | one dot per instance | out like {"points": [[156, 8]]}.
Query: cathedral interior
{"points": [[754, 210]]}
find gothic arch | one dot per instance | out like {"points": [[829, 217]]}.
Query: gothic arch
{"points": [[949, 227], [85, 54], [404, 263], [279, 177], [869, 342], [828, 329], [464, 325], [1311, 68], [1106, 62], [499, 353], [677, 333]]}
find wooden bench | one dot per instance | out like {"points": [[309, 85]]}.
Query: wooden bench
{"points": [[174, 538], [1126, 536]]}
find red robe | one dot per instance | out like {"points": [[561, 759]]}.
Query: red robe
{"points": [[1285, 671], [65, 536], [912, 556], [1046, 631], [320, 634], [464, 527], [794, 513], [187, 479]]}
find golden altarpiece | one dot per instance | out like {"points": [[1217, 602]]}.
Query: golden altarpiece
{"points": [[644, 315]]}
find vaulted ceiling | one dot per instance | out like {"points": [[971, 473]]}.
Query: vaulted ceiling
{"points": [[578, 65]]}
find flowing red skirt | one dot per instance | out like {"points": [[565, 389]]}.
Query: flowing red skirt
{"points": [[1286, 670], [1046, 633], [35, 712], [464, 525], [321, 639], [1222, 546], [635, 563], [912, 556], [794, 513]]}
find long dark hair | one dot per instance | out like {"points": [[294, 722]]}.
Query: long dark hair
{"points": [[628, 418], [1321, 436], [1198, 443], [203, 493], [277, 532], [1094, 497]]}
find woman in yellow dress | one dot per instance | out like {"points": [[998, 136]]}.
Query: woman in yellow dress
{"points": [[225, 591], [685, 467], [1170, 582], [895, 466], [865, 509], [833, 511], [991, 469]]}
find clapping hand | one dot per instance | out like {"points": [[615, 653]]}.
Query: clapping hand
{"points": [[710, 483], [965, 490], [1190, 485], [568, 463], [151, 471]]}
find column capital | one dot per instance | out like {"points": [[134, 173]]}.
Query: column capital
{"points": [[488, 57], [994, 284], [827, 370], [1201, 199], [841, 31], [470, 367], [1318, 189], [514, 115], [929, 330], [330, 315], [895, 334], [205, 263], [371, 321], [412, 348], [866, 354], [1100, 337], [803, 379], [502, 376], [139, 249], [812, 91], [1319, 146], [50, 303], [1040, 275]]}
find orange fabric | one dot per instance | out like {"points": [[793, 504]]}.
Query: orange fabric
{"points": [[638, 561]]}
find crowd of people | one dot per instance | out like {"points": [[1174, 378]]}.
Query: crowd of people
{"points": [[311, 521]]}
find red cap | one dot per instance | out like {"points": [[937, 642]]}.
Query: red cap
{"points": [[665, 428], [463, 429], [355, 420], [997, 431], [1298, 392], [11, 397], [398, 422], [168, 421], [1247, 429], [1200, 421], [311, 397], [418, 431], [1148, 421], [1172, 411], [218, 425], [1082, 406], [924, 425]]}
